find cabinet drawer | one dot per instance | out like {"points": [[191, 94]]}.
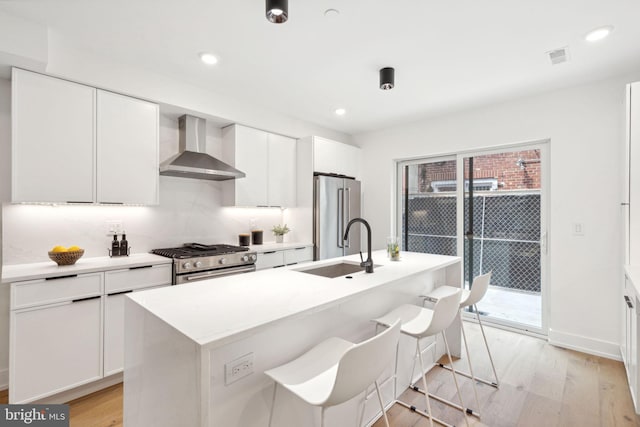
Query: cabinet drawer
{"points": [[297, 255], [56, 289], [270, 259], [137, 277]]}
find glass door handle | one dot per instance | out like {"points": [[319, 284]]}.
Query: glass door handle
{"points": [[543, 243]]}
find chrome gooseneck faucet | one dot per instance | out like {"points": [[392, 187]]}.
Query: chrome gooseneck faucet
{"points": [[368, 264]]}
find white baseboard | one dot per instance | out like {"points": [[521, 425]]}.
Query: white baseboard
{"points": [[607, 349], [4, 379]]}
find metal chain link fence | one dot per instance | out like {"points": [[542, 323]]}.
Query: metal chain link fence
{"points": [[506, 229]]}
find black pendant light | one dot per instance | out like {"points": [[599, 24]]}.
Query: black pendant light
{"points": [[387, 78], [277, 11]]}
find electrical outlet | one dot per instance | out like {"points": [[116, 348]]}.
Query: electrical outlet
{"points": [[113, 227], [238, 368]]}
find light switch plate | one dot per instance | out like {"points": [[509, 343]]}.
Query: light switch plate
{"points": [[577, 229], [113, 227]]}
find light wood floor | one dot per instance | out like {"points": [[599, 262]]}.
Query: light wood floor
{"points": [[540, 385]]}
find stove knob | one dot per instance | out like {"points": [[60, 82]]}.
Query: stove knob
{"points": [[222, 261], [254, 257], [186, 265], [198, 264], [245, 258]]}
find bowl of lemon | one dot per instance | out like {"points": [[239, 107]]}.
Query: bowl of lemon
{"points": [[62, 255]]}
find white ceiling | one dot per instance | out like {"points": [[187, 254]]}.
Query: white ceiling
{"points": [[448, 55]]}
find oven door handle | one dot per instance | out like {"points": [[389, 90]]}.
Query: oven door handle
{"points": [[221, 273]]}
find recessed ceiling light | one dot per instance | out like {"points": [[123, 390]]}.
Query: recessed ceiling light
{"points": [[598, 34], [341, 111], [208, 58]]}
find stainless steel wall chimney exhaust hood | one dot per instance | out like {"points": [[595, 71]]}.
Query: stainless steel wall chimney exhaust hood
{"points": [[192, 161]]}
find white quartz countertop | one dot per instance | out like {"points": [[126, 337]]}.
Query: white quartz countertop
{"points": [[40, 270], [217, 311], [273, 246]]}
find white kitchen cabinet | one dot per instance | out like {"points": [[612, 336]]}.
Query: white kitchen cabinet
{"points": [[127, 148], [298, 255], [629, 346], [270, 259], [52, 139], [269, 162], [281, 178], [332, 157], [118, 283], [55, 346], [72, 143], [281, 257]]}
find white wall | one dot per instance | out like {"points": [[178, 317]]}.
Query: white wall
{"points": [[585, 127]]}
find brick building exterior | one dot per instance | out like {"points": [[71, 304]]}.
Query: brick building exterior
{"points": [[519, 170]]}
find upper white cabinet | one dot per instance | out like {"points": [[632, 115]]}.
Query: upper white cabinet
{"points": [[281, 177], [53, 139], [335, 157], [269, 162], [72, 143], [127, 150]]}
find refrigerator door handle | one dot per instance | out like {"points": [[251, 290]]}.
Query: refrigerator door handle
{"points": [[340, 217], [347, 193]]}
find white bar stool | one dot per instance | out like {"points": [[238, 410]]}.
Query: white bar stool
{"points": [[469, 298], [420, 322], [337, 370]]}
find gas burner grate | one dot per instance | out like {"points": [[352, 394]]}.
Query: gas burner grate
{"points": [[190, 250]]}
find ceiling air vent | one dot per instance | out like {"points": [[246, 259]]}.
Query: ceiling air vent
{"points": [[558, 56]]}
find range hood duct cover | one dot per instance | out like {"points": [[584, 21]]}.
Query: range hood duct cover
{"points": [[192, 161]]}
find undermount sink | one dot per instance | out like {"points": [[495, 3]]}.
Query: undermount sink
{"points": [[334, 270]]}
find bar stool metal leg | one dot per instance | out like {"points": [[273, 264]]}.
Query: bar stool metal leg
{"points": [[424, 382], [273, 401], [384, 413], [473, 377], [455, 379], [486, 344]]}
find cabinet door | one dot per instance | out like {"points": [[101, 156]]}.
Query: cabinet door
{"points": [[55, 348], [114, 331], [251, 158], [298, 255], [127, 150], [633, 133], [325, 158], [335, 157], [281, 180], [53, 139], [270, 259]]}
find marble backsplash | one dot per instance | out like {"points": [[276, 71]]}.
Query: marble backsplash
{"points": [[189, 211]]}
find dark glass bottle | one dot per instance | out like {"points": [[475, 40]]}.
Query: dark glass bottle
{"points": [[124, 245], [115, 246]]}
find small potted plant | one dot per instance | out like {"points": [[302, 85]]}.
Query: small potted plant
{"points": [[279, 231]]}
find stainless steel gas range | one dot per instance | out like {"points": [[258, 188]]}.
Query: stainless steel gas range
{"points": [[195, 261]]}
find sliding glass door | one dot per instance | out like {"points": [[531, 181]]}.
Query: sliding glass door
{"points": [[488, 207]]}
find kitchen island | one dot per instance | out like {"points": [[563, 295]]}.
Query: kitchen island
{"points": [[195, 354]]}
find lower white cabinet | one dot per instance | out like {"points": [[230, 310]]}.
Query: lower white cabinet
{"points": [[629, 347], [69, 331], [118, 283], [282, 257], [55, 346], [114, 331]]}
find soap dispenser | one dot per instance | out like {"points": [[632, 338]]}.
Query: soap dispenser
{"points": [[115, 246], [124, 245]]}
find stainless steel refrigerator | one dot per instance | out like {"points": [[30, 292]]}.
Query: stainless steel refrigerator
{"points": [[336, 202]]}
